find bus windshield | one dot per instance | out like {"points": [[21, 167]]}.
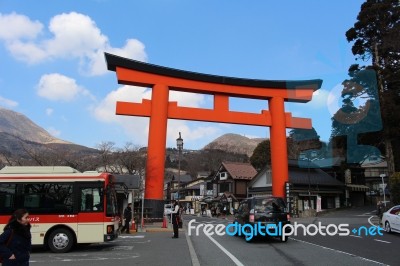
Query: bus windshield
{"points": [[111, 200]]}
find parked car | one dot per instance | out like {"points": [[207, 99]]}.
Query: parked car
{"points": [[391, 219], [268, 210]]}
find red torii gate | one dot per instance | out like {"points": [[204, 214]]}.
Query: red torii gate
{"points": [[159, 109]]}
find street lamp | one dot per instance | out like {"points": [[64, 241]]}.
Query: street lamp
{"points": [[142, 184], [310, 157], [383, 189], [179, 145]]}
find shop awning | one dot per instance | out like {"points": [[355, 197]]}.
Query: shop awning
{"points": [[352, 187]]}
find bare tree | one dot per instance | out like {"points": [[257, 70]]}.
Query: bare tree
{"points": [[130, 159], [40, 154], [106, 149]]}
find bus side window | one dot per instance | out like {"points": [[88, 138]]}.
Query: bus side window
{"points": [[7, 198], [91, 199]]}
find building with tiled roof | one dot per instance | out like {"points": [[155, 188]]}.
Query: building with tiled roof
{"points": [[310, 188], [233, 177], [244, 171]]}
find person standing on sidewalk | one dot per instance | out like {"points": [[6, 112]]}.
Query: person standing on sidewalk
{"points": [[16, 240], [175, 219], [127, 218]]}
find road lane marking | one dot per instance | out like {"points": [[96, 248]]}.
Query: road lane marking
{"points": [[383, 241], [192, 252], [371, 223], [366, 214], [374, 239], [57, 260], [339, 251], [122, 248], [140, 236], [230, 255]]}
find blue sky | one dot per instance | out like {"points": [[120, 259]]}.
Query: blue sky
{"points": [[53, 69]]}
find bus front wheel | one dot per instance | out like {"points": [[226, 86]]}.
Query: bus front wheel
{"points": [[60, 240]]}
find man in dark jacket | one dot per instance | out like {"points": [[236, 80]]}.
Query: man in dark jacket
{"points": [[127, 218]]}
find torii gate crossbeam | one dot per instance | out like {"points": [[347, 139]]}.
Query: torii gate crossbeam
{"points": [[159, 109]]}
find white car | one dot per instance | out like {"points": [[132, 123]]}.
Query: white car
{"points": [[391, 219]]}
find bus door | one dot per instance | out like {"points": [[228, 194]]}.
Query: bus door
{"points": [[91, 213]]}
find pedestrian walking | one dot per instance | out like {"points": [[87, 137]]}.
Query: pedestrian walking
{"points": [[175, 219], [180, 220], [16, 240], [379, 210], [127, 218]]}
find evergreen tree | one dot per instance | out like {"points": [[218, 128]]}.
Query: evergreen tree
{"points": [[375, 38], [353, 122], [262, 155], [305, 139]]}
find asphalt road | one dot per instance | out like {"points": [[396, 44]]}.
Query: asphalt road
{"points": [[227, 250], [379, 248], [158, 248], [358, 248]]}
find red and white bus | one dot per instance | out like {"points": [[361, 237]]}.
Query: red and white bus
{"points": [[66, 207]]}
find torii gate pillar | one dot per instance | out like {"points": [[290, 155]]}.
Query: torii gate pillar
{"points": [[156, 145], [278, 146], [159, 109]]}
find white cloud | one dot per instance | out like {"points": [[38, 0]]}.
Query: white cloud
{"points": [[8, 102], [27, 51], [14, 26], [186, 99], [136, 128], [73, 36], [105, 110], [49, 111], [319, 99], [57, 87], [133, 49], [192, 133], [334, 100]]}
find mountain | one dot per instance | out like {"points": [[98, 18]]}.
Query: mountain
{"points": [[234, 143], [21, 127], [19, 136]]}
